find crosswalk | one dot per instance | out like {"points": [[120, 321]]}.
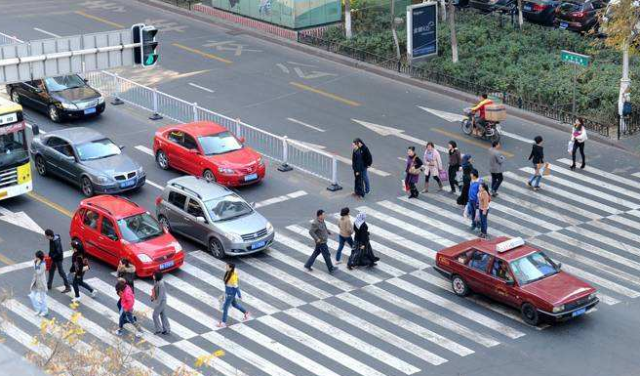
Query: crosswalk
{"points": [[399, 318]]}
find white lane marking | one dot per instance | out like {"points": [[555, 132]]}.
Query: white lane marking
{"points": [[47, 32], [283, 68], [217, 363], [24, 265], [107, 290], [279, 199], [596, 182], [380, 333], [25, 339], [516, 137], [457, 309], [31, 127], [521, 203], [626, 221], [615, 178], [588, 234], [145, 150], [525, 217], [408, 325], [202, 88], [390, 131], [20, 219], [636, 174], [484, 340], [217, 283], [154, 185], [615, 230], [306, 125]]}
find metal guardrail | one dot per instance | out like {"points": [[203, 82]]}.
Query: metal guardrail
{"points": [[288, 153]]}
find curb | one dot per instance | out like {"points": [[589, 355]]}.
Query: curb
{"points": [[379, 71]]}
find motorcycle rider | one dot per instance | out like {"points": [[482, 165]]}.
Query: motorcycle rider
{"points": [[480, 108]]}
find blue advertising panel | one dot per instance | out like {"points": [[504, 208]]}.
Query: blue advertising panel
{"points": [[422, 30]]}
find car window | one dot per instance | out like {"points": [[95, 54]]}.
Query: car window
{"points": [[108, 229], [570, 7], [194, 208], [479, 260], [139, 227], [189, 142], [500, 269], [60, 145], [176, 136], [220, 143], [227, 207], [97, 149], [177, 199], [464, 257], [533, 267], [91, 219], [61, 83]]}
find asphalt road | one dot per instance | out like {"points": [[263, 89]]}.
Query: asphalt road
{"points": [[587, 218]]}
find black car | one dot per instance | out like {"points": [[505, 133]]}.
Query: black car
{"points": [[578, 15], [493, 5], [541, 11], [63, 97]]}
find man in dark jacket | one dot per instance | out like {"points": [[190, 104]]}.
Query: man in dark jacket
{"points": [[359, 167], [320, 235], [57, 255], [368, 161]]}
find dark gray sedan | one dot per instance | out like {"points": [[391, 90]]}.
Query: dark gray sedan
{"points": [[88, 159]]}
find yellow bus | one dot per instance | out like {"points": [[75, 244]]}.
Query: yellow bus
{"points": [[15, 167]]}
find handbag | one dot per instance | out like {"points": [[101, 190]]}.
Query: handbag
{"points": [[570, 147], [443, 175], [404, 185], [47, 262], [414, 171], [546, 169]]}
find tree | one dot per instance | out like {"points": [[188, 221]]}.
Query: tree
{"points": [[452, 30]]}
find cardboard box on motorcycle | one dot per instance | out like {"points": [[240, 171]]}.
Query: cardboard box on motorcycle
{"points": [[495, 112]]}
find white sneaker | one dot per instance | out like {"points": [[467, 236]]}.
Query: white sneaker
{"points": [[138, 334], [75, 300], [94, 293], [43, 314]]}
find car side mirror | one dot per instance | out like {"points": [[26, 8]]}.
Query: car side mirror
{"points": [[35, 129], [86, 81], [510, 282], [201, 220], [70, 158], [242, 140], [121, 147]]}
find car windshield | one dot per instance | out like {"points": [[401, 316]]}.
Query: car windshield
{"points": [[139, 228], [64, 82], [220, 143], [227, 207], [97, 149], [12, 148], [533, 267]]}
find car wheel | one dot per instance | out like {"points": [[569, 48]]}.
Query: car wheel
{"points": [[164, 222], [54, 115], [41, 166], [209, 176], [15, 97], [529, 314], [459, 286], [87, 186], [162, 160], [216, 249]]}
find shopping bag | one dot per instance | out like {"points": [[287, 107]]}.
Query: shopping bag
{"points": [[546, 169], [570, 147], [47, 262], [444, 176], [404, 185]]}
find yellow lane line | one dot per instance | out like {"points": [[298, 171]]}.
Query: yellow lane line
{"points": [[100, 19], [50, 204], [325, 94], [6, 260], [203, 54], [469, 141]]}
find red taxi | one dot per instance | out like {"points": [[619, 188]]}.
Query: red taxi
{"points": [[517, 274], [209, 150], [112, 228]]}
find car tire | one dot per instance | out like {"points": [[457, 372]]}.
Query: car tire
{"points": [[87, 186], [53, 113], [459, 286], [15, 96], [209, 176], [164, 222], [41, 166], [161, 160], [529, 314], [216, 249]]}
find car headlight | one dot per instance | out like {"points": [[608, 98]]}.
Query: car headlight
{"points": [[102, 179], [559, 308], [101, 100], [144, 258], [177, 247], [68, 106], [269, 227], [236, 238], [140, 171], [225, 170]]}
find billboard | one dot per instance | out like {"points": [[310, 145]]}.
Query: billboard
{"points": [[422, 30]]}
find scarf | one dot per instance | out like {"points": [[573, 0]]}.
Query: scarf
{"points": [[465, 160], [429, 155], [360, 218]]}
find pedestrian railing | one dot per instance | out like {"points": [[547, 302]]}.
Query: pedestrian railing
{"points": [[289, 153]]}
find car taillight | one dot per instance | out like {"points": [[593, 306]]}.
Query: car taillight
{"points": [[578, 14], [158, 200], [539, 7]]}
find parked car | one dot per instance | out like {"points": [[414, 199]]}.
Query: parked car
{"points": [[541, 11], [112, 228], [516, 274], [209, 150], [63, 97], [87, 159], [578, 15], [214, 216], [493, 5]]}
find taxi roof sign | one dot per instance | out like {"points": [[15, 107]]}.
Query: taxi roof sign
{"points": [[509, 244]]}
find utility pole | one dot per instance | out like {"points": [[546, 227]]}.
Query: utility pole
{"points": [[452, 30], [393, 30], [625, 84], [347, 19]]}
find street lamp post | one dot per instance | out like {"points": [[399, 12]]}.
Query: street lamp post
{"points": [[625, 85]]}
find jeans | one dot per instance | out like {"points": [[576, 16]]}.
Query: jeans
{"points": [[483, 222], [320, 248], [341, 241], [57, 265], [578, 145], [126, 317], [230, 300], [496, 180], [77, 282], [471, 209], [365, 178], [535, 180], [39, 301]]}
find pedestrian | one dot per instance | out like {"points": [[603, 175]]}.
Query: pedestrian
{"points": [[346, 229], [433, 166], [159, 299], [472, 204], [484, 198], [127, 271], [57, 256], [358, 166], [79, 267], [455, 158], [412, 171], [231, 292], [467, 167], [38, 288], [320, 235], [127, 300], [537, 158], [368, 161], [362, 254], [496, 166], [578, 138]]}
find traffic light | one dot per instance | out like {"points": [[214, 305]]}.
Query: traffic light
{"points": [[145, 55]]}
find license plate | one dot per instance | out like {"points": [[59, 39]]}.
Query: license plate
{"points": [[564, 25], [166, 265], [89, 111], [579, 312], [258, 245], [251, 177], [128, 184], [4, 194], [527, 8]]}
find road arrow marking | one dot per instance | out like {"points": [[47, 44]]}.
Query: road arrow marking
{"points": [[389, 131], [305, 124], [312, 75], [283, 68], [20, 219]]}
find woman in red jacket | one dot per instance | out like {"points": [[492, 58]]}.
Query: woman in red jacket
{"points": [[127, 300]]}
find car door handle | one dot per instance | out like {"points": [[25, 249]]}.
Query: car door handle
{"points": [[186, 218]]}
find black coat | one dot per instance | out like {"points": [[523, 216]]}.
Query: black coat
{"points": [[466, 184], [361, 235], [55, 249], [366, 154], [362, 254], [357, 160], [537, 154]]}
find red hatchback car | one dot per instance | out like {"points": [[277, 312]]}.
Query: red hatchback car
{"points": [[209, 150], [112, 228], [517, 274]]}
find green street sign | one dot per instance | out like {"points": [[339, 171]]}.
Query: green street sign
{"points": [[574, 58]]}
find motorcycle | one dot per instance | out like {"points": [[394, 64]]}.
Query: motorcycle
{"points": [[490, 130]]}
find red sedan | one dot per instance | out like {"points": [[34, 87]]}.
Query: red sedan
{"points": [[209, 150], [111, 228], [517, 274]]}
